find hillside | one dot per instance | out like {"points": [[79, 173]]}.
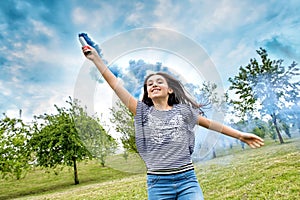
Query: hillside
{"points": [[271, 172]]}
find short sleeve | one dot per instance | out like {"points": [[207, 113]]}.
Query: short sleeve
{"points": [[139, 122]]}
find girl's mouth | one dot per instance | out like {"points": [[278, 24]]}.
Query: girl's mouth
{"points": [[155, 90]]}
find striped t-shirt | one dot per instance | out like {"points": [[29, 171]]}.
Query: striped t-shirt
{"points": [[165, 139]]}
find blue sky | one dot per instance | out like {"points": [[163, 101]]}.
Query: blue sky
{"points": [[41, 57]]}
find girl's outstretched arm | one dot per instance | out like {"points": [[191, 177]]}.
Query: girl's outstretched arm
{"points": [[129, 101], [251, 139]]}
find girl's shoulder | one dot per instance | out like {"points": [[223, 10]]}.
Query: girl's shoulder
{"points": [[187, 109], [142, 107], [142, 104], [182, 106]]}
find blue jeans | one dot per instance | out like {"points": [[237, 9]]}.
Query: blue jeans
{"points": [[181, 186]]}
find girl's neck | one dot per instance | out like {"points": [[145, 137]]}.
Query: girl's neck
{"points": [[161, 106]]}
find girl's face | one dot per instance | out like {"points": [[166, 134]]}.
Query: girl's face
{"points": [[157, 87]]}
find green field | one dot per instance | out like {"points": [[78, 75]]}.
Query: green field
{"points": [[271, 172]]}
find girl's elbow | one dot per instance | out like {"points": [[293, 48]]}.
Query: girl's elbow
{"points": [[202, 121]]}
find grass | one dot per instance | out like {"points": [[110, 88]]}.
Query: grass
{"points": [[270, 173], [40, 182]]}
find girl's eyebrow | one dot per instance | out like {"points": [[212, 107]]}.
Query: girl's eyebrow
{"points": [[158, 79], [149, 81]]}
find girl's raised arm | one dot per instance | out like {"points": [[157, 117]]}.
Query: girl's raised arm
{"points": [[129, 101]]}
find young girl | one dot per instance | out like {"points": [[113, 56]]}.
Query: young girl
{"points": [[164, 123]]}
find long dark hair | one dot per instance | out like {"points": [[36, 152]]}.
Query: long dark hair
{"points": [[179, 94]]}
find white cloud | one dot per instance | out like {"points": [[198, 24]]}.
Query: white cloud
{"points": [[229, 15], [40, 28], [99, 17], [79, 16], [165, 7], [136, 18], [168, 15], [36, 98], [6, 91], [230, 31], [41, 99]]}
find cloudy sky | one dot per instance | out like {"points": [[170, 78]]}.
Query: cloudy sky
{"points": [[41, 59]]}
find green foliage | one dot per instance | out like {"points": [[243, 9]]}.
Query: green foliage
{"points": [[53, 140], [123, 120], [56, 141], [99, 143], [69, 136], [269, 84], [266, 88], [14, 149], [217, 101]]}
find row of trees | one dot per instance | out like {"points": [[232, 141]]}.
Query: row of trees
{"points": [[53, 140]]}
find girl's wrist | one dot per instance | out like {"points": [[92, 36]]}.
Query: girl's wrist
{"points": [[96, 59], [240, 135]]}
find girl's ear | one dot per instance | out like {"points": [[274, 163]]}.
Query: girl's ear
{"points": [[170, 91]]}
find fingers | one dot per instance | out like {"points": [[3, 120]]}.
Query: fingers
{"points": [[86, 50], [253, 140], [256, 143]]}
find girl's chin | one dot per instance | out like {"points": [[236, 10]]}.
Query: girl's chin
{"points": [[154, 97]]}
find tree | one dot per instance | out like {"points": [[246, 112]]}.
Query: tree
{"points": [[14, 150], [267, 88], [211, 98], [123, 120], [214, 105], [99, 143], [59, 138]]}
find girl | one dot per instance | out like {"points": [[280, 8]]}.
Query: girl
{"points": [[164, 123]]}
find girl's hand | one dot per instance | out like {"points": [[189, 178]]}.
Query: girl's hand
{"points": [[90, 52], [252, 140]]}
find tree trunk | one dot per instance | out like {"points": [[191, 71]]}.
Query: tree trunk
{"points": [[214, 153], [277, 129], [75, 171]]}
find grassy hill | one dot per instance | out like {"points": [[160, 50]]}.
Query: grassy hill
{"points": [[271, 172]]}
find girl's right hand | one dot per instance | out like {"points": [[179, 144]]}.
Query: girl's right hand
{"points": [[90, 52]]}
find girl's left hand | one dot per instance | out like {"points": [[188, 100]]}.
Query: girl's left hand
{"points": [[252, 140]]}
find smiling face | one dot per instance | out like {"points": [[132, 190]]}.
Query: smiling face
{"points": [[157, 87], [162, 87]]}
